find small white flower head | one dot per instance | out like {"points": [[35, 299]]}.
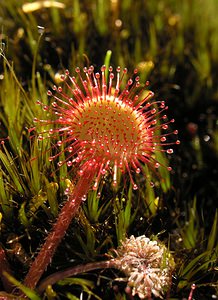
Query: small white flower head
{"points": [[147, 264]]}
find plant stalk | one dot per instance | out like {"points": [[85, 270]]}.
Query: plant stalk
{"points": [[53, 278], [60, 227]]}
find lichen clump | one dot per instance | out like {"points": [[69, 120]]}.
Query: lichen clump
{"points": [[147, 264]]}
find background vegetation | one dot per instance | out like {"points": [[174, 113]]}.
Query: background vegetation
{"points": [[174, 44]]}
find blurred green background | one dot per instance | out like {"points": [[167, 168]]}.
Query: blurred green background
{"points": [[174, 45]]}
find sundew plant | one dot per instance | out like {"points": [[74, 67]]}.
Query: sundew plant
{"points": [[103, 195], [103, 130]]}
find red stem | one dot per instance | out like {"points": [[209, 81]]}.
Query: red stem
{"points": [[193, 287], [53, 278], [60, 227]]}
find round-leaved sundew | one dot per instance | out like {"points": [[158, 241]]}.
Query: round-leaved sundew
{"points": [[96, 121], [101, 127]]}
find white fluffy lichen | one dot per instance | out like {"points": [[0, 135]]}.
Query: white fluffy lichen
{"points": [[147, 264]]}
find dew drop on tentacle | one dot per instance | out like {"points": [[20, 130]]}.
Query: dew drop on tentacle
{"points": [[112, 75], [163, 139], [80, 172], [2, 140], [60, 163], [70, 149], [114, 183], [157, 165], [40, 137], [151, 184], [84, 197], [135, 186], [130, 81], [67, 191], [138, 170], [169, 151], [162, 104], [62, 77], [77, 160], [95, 186], [103, 171], [165, 126], [35, 120], [69, 163]]}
